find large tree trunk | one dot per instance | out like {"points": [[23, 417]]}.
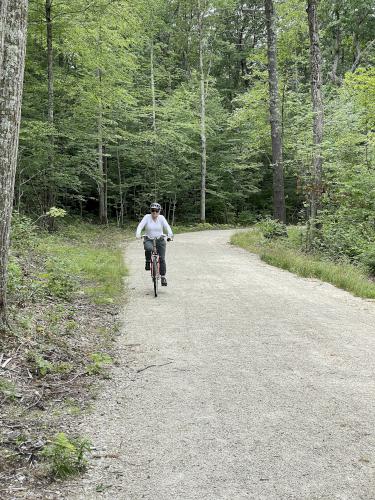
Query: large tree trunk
{"points": [[13, 22], [317, 106], [277, 151], [203, 119]]}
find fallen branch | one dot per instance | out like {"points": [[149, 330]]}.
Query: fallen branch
{"points": [[152, 366]]}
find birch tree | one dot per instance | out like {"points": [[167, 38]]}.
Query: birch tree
{"points": [[202, 115], [317, 107], [276, 136], [50, 112], [13, 22]]}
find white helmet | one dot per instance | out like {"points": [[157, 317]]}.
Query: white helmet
{"points": [[155, 205]]}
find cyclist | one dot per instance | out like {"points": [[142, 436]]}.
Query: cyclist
{"points": [[154, 224]]}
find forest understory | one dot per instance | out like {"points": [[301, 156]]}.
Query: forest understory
{"points": [[65, 315]]}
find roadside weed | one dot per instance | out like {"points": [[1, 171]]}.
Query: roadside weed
{"points": [[98, 362], [66, 456]]}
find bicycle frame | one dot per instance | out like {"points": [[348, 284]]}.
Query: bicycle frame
{"points": [[155, 263]]}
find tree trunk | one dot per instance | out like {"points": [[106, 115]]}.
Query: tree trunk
{"points": [[317, 106], [277, 151], [101, 169], [336, 50], [152, 77], [121, 217], [101, 183], [153, 87], [13, 24], [3, 20], [202, 119], [49, 61], [174, 209], [105, 184], [50, 195]]}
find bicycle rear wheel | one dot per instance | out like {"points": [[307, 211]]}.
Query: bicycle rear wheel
{"points": [[155, 275]]}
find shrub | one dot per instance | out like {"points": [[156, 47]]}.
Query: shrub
{"points": [[7, 388], [59, 283], [66, 456], [15, 281], [42, 366], [368, 259], [99, 361], [23, 232], [246, 218], [272, 229]]}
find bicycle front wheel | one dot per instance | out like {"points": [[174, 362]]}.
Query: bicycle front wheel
{"points": [[155, 275]]}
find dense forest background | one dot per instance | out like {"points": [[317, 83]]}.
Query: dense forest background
{"points": [[111, 111]]}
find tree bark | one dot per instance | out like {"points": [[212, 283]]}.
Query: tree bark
{"points": [[317, 106], [13, 25], [337, 48], [153, 87], [152, 79], [101, 182], [49, 60], [202, 118], [50, 194], [277, 150], [121, 217], [101, 187]]}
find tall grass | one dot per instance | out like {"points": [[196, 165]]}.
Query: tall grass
{"points": [[285, 253], [91, 254]]}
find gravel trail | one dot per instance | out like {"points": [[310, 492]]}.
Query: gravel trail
{"points": [[240, 381]]}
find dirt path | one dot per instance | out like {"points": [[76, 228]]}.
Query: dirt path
{"points": [[239, 381]]}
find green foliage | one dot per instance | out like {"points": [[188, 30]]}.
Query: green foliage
{"points": [[98, 362], [246, 218], [7, 388], [272, 229], [42, 366], [66, 456], [23, 232], [102, 70], [56, 213], [59, 281], [15, 277], [368, 259]]}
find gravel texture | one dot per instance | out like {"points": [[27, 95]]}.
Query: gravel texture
{"points": [[239, 381]]}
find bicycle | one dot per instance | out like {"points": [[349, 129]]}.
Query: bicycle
{"points": [[155, 261]]}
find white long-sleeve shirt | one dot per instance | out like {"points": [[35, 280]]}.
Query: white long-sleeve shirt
{"points": [[153, 229]]}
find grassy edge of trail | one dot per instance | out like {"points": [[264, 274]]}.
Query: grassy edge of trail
{"points": [[285, 254], [66, 294]]}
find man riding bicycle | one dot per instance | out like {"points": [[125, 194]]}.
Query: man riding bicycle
{"points": [[154, 224]]}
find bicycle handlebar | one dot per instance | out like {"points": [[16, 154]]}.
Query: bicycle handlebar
{"points": [[165, 236]]}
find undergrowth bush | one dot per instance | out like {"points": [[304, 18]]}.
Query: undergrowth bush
{"points": [[368, 259], [23, 232], [66, 456], [59, 282], [98, 362], [272, 229], [246, 218]]}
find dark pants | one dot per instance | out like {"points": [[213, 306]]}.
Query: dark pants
{"points": [[161, 246]]}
